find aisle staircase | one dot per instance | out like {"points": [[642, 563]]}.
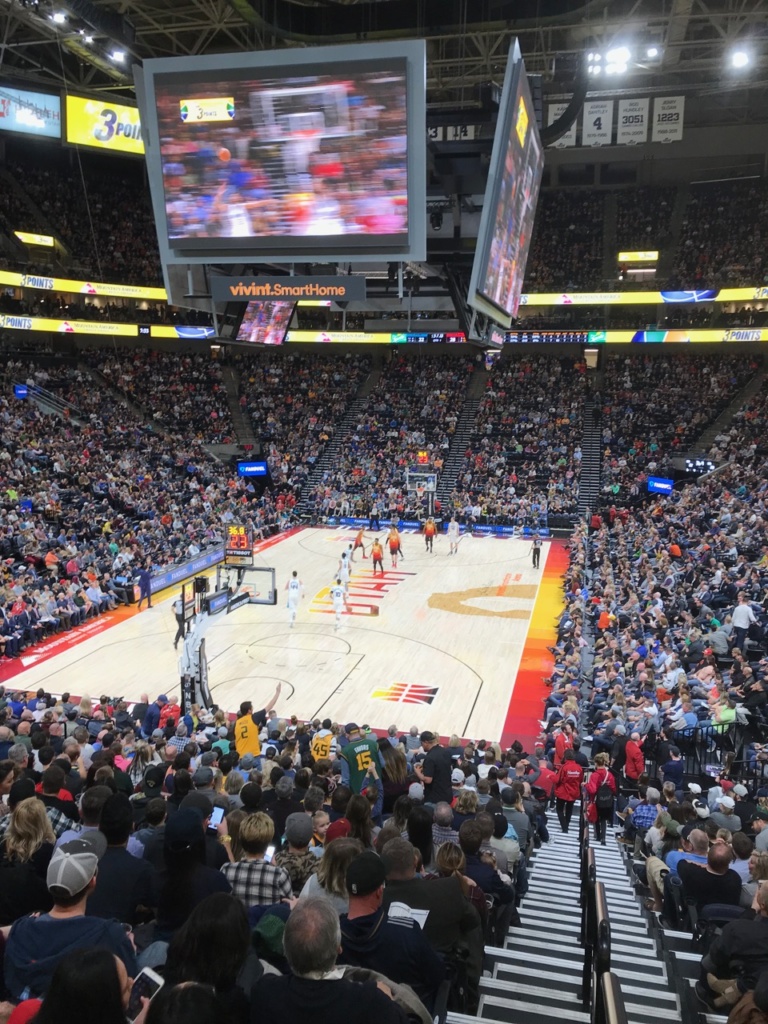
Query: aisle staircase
{"points": [[591, 457], [537, 977], [462, 435], [704, 442], [242, 423], [330, 455]]}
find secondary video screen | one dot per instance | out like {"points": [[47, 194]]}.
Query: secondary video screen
{"points": [[314, 155], [518, 183], [265, 323]]}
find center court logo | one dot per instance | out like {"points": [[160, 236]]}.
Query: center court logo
{"points": [[407, 693]]}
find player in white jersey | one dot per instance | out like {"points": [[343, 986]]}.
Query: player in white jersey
{"points": [[339, 599], [295, 589], [453, 536], [345, 568]]}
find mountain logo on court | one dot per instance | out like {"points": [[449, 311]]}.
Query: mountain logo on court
{"points": [[407, 693]]}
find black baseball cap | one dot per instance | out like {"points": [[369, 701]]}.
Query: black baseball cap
{"points": [[365, 874]]}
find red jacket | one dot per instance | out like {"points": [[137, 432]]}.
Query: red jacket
{"points": [[635, 765], [562, 743], [569, 780], [599, 777]]}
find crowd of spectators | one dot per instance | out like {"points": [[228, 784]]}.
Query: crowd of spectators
{"points": [[55, 307], [524, 458], [662, 662], [654, 408], [566, 251], [90, 500], [643, 218], [180, 392], [721, 242], [296, 402], [104, 218], [414, 408], [331, 845]]}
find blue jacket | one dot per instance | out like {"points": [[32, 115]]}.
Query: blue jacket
{"points": [[151, 719]]}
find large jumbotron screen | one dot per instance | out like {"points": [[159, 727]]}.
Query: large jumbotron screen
{"points": [[510, 200], [289, 154]]}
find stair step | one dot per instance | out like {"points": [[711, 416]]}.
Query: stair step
{"points": [[513, 1012], [619, 951]]}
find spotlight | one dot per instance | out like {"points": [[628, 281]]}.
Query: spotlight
{"points": [[118, 56], [88, 39], [652, 51], [739, 58], [59, 17], [615, 69], [618, 55]]}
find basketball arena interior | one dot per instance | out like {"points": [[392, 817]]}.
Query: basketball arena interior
{"points": [[384, 511]]}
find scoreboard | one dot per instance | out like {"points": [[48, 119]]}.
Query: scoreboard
{"points": [[238, 545]]}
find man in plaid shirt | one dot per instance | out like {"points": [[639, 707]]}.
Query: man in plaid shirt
{"points": [[255, 882], [643, 816]]}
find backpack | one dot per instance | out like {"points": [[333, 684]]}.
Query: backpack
{"points": [[604, 796]]}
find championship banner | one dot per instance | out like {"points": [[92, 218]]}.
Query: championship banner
{"points": [[632, 125], [597, 123], [30, 113], [104, 125], [246, 289], [569, 139], [668, 114]]}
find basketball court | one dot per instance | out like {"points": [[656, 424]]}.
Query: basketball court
{"points": [[453, 643]]}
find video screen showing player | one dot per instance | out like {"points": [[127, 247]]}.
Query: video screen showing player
{"points": [[515, 209], [317, 155], [265, 323]]}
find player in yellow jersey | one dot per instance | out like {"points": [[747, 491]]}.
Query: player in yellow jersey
{"points": [[249, 724]]}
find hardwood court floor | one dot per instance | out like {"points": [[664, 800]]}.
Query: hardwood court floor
{"points": [[436, 643]]}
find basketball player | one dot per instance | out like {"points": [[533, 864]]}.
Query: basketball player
{"points": [[453, 536], [377, 554], [339, 598], [536, 549], [358, 544], [393, 539], [430, 529], [295, 589], [343, 569]]}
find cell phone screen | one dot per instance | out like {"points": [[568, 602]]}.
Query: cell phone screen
{"points": [[144, 987], [217, 814], [269, 855]]}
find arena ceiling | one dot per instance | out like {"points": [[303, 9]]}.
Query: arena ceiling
{"points": [[70, 43]]}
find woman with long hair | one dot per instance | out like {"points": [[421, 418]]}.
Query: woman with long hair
{"points": [[25, 852], [451, 862], [213, 947], [91, 986], [330, 879], [358, 814], [400, 811], [420, 835], [394, 778]]}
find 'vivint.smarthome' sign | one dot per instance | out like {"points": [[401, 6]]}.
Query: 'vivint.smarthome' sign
{"points": [[287, 289]]}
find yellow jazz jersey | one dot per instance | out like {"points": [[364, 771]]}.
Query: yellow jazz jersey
{"points": [[247, 736]]}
